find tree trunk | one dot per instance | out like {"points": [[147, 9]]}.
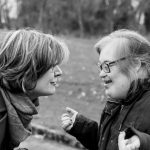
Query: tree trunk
{"points": [[79, 17], [41, 22]]}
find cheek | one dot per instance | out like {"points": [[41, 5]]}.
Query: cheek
{"points": [[120, 83], [122, 86], [121, 80], [43, 82]]}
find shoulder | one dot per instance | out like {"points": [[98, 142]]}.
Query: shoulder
{"points": [[142, 110], [143, 104], [145, 99]]}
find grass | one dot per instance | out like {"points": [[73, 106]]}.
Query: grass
{"points": [[80, 87]]}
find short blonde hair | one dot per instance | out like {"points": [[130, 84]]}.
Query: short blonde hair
{"points": [[25, 55], [130, 44]]}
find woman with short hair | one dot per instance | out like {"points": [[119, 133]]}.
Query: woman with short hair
{"points": [[29, 68]]}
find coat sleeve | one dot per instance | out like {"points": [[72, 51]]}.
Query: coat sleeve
{"points": [[144, 139], [86, 131], [141, 127]]}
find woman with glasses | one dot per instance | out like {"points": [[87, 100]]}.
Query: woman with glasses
{"points": [[124, 67], [29, 68]]}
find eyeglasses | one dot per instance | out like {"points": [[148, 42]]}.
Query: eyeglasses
{"points": [[105, 66]]}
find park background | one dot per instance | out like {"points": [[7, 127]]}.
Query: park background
{"points": [[80, 23]]}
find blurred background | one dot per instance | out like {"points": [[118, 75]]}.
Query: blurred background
{"points": [[78, 17], [80, 23]]}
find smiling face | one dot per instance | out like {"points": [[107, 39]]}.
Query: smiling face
{"points": [[46, 84], [116, 83]]}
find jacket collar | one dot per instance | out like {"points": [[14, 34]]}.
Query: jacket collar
{"points": [[143, 85]]}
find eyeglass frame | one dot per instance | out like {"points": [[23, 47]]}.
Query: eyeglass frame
{"points": [[109, 64]]}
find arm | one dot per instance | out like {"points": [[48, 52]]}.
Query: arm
{"points": [[84, 129]]}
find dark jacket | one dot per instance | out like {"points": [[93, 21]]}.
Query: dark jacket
{"points": [[4, 130], [133, 114], [15, 116], [3, 126]]}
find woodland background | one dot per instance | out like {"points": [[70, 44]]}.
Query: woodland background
{"points": [[77, 17]]}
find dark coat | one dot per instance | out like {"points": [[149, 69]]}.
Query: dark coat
{"points": [[4, 130], [116, 117], [3, 126]]}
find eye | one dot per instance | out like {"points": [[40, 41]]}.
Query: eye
{"points": [[105, 66]]}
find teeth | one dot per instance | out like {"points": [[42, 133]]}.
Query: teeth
{"points": [[107, 81]]}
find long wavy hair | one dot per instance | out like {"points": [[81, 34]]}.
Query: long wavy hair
{"points": [[25, 55]]}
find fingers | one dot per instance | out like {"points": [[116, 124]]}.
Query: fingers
{"points": [[132, 147], [73, 113], [121, 136], [66, 122], [122, 142], [121, 139], [68, 118], [132, 143]]}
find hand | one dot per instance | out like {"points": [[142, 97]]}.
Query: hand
{"points": [[132, 143], [68, 118]]}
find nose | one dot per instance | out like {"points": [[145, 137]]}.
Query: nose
{"points": [[102, 74], [57, 72]]}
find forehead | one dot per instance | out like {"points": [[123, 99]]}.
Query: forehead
{"points": [[111, 51]]}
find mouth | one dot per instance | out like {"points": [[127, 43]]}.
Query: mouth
{"points": [[107, 82], [54, 83]]}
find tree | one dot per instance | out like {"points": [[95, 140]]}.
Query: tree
{"points": [[4, 14]]}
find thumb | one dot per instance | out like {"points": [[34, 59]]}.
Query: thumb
{"points": [[121, 136], [71, 111], [122, 142]]}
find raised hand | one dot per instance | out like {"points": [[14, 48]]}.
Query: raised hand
{"points": [[132, 143], [68, 118]]}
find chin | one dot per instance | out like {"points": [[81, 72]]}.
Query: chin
{"points": [[51, 91], [110, 95], [107, 93]]}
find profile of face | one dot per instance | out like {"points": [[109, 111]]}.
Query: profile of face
{"points": [[46, 84], [116, 83]]}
